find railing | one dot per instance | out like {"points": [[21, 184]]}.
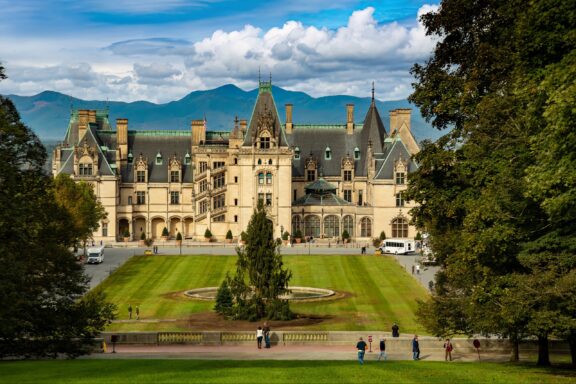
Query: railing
{"points": [[216, 171], [304, 337], [201, 194], [201, 216], [219, 190], [219, 210], [235, 337], [180, 338], [200, 176]]}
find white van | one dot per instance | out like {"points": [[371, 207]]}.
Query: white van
{"points": [[95, 255], [398, 246]]}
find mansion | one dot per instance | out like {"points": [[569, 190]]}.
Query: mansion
{"points": [[322, 179]]}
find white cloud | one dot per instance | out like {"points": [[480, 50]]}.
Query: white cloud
{"points": [[316, 60]]}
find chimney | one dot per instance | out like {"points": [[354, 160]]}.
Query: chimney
{"points": [[349, 118], [82, 123], [403, 117], [92, 116], [198, 132], [122, 138], [288, 118], [243, 125], [393, 121]]}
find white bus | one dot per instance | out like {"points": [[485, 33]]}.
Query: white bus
{"points": [[95, 255], [398, 246]]}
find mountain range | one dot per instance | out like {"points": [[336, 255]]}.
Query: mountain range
{"points": [[48, 112]]}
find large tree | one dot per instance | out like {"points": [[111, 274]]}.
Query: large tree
{"points": [[81, 203], [260, 277], [492, 191], [43, 306]]}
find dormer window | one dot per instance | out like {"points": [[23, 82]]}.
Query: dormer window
{"points": [[327, 154], [158, 158], [187, 159], [400, 177], [130, 158], [140, 176], [264, 142], [85, 169], [356, 153], [297, 153]]}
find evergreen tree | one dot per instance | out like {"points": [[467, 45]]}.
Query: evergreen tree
{"points": [[260, 277], [224, 299], [42, 307]]}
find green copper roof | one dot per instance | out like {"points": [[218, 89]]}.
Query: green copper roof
{"points": [[320, 186]]}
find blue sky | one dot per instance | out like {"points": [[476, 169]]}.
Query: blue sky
{"points": [[160, 50]]}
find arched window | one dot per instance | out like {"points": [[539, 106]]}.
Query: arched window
{"points": [[259, 161], [187, 159], [269, 161], [327, 154], [365, 227], [296, 224], [312, 226], [399, 227], [297, 153], [268, 178], [261, 178], [356, 153], [348, 225], [130, 158], [331, 226], [158, 158]]}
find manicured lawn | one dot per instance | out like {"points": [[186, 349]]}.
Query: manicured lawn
{"points": [[293, 372], [375, 292]]}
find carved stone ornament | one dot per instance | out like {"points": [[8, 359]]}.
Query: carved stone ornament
{"points": [[311, 162], [141, 163], [266, 121], [175, 163], [347, 162], [85, 150], [401, 165]]}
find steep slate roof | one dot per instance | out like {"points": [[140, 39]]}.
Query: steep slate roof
{"points": [[394, 149], [320, 186], [373, 128], [149, 144], [314, 139], [106, 158], [264, 104]]}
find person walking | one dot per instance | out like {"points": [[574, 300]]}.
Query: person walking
{"points": [[418, 269], [130, 311], [266, 331], [382, 349], [415, 348], [259, 337], [395, 330], [361, 347], [448, 347], [137, 313]]}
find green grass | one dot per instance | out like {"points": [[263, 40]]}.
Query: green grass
{"points": [[377, 290], [293, 372]]}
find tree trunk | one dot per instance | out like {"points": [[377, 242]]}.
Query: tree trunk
{"points": [[515, 356], [572, 344], [543, 352]]}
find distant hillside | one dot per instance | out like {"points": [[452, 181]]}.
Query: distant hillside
{"points": [[47, 113]]}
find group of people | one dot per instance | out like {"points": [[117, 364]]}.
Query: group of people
{"points": [[361, 346], [263, 333], [137, 312]]}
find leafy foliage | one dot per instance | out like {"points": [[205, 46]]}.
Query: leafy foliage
{"points": [[260, 277], [42, 307], [81, 203], [229, 235], [179, 236], [165, 232], [224, 299], [207, 234], [497, 193]]}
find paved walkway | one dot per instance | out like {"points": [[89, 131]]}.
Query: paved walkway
{"points": [[277, 352]]}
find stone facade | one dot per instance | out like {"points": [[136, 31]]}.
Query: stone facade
{"points": [[321, 179]]}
